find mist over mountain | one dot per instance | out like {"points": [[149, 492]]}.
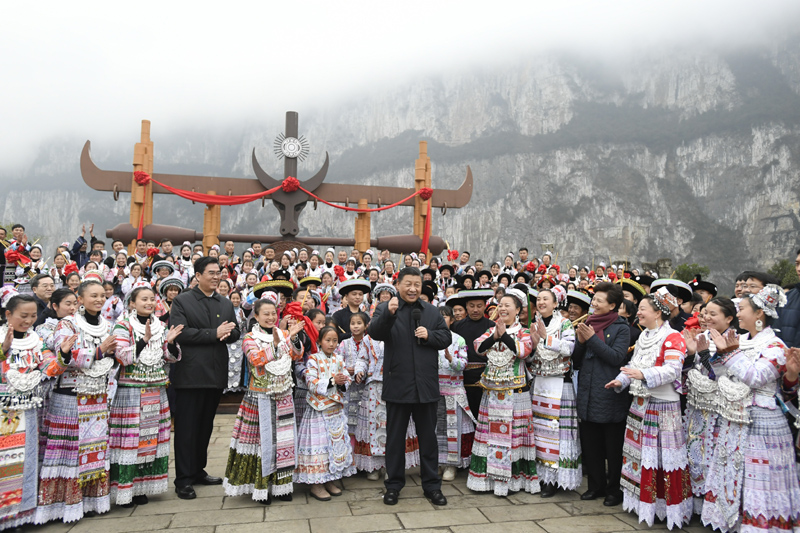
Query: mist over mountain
{"points": [[690, 154]]}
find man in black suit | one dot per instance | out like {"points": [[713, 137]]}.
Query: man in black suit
{"points": [[413, 332], [209, 324]]}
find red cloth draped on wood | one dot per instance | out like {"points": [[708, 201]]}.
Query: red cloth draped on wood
{"points": [[290, 184]]}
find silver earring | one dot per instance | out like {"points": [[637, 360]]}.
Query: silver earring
{"points": [[81, 310], [759, 325]]}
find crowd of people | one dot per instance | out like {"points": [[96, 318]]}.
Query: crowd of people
{"points": [[672, 399]]}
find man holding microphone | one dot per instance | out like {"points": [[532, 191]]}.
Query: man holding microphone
{"points": [[413, 332]]}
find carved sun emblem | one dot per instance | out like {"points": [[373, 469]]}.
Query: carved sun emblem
{"points": [[291, 147]]}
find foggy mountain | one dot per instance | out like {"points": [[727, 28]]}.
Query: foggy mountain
{"points": [[681, 153]]}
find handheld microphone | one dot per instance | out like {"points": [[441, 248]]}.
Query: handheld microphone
{"points": [[416, 316]]}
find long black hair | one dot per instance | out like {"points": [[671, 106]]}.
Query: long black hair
{"points": [[58, 296]]}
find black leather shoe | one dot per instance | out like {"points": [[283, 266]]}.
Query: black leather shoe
{"points": [[285, 497], [592, 494], [268, 501], [390, 498], [209, 480], [548, 490], [186, 493], [612, 500], [436, 497], [140, 500]]}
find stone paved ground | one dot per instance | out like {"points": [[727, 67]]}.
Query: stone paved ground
{"points": [[359, 509]]}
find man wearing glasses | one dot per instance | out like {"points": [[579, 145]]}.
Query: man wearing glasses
{"points": [[209, 324]]}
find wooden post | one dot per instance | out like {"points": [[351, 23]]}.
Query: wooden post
{"points": [[142, 197], [422, 178], [211, 225], [363, 227]]}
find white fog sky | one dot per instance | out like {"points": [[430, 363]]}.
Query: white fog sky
{"points": [[95, 69]]}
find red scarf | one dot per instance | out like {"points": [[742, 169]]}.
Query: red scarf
{"points": [[601, 322]]}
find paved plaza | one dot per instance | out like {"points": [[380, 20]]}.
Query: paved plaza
{"points": [[360, 508]]}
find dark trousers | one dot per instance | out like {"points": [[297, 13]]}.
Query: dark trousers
{"points": [[601, 443], [397, 416], [194, 421], [474, 397]]}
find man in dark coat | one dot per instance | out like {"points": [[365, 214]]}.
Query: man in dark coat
{"points": [[410, 381], [42, 286], [209, 324], [472, 327], [600, 351]]}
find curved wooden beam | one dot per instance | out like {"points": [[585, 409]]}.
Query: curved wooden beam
{"points": [[105, 180]]}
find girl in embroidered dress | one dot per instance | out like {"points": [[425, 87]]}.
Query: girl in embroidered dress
{"points": [[351, 350], [555, 418], [503, 454], [700, 419], [262, 453], [22, 367], [752, 482], [369, 449], [324, 453], [74, 474], [655, 479], [63, 303], [139, 423], [455, 425]]}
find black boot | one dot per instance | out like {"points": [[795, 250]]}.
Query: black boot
{"points": [[548, 490]]}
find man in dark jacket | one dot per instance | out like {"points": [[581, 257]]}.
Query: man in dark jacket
{"points": [[209, 324], [472, 327], [411, 381], [42, 286], [600, 351]]}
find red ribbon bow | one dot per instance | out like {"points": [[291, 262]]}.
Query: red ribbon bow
{"points": [[452, 255], [70, 268], [530, 267], [141, 178], [13, 256], [425, 193]]}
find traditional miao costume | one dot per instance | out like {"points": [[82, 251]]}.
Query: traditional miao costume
{"points": [[139, 423], [324, 452], [700, 421], [455, 425], [504, 454], [752, 482], [22, 369], [555, 417], [655, 477], [369, 448], [262, 453], [74, 474], [351, 351]]}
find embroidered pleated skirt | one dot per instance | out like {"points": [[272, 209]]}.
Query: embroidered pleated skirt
{"points": [[19, 445], [558, 445], [261, 459], [139, 433], [324, 452], [74, 476], [752, 483], [504, 454], [455, 432], [655, 477]]}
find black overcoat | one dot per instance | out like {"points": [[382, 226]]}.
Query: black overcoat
{"points": [[204, 358], [410, 370]]}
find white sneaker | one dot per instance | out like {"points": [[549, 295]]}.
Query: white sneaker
{"points": [[375, 475], [449, 473]]}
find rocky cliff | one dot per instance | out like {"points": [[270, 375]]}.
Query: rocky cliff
{"points": [[688, 154]]}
